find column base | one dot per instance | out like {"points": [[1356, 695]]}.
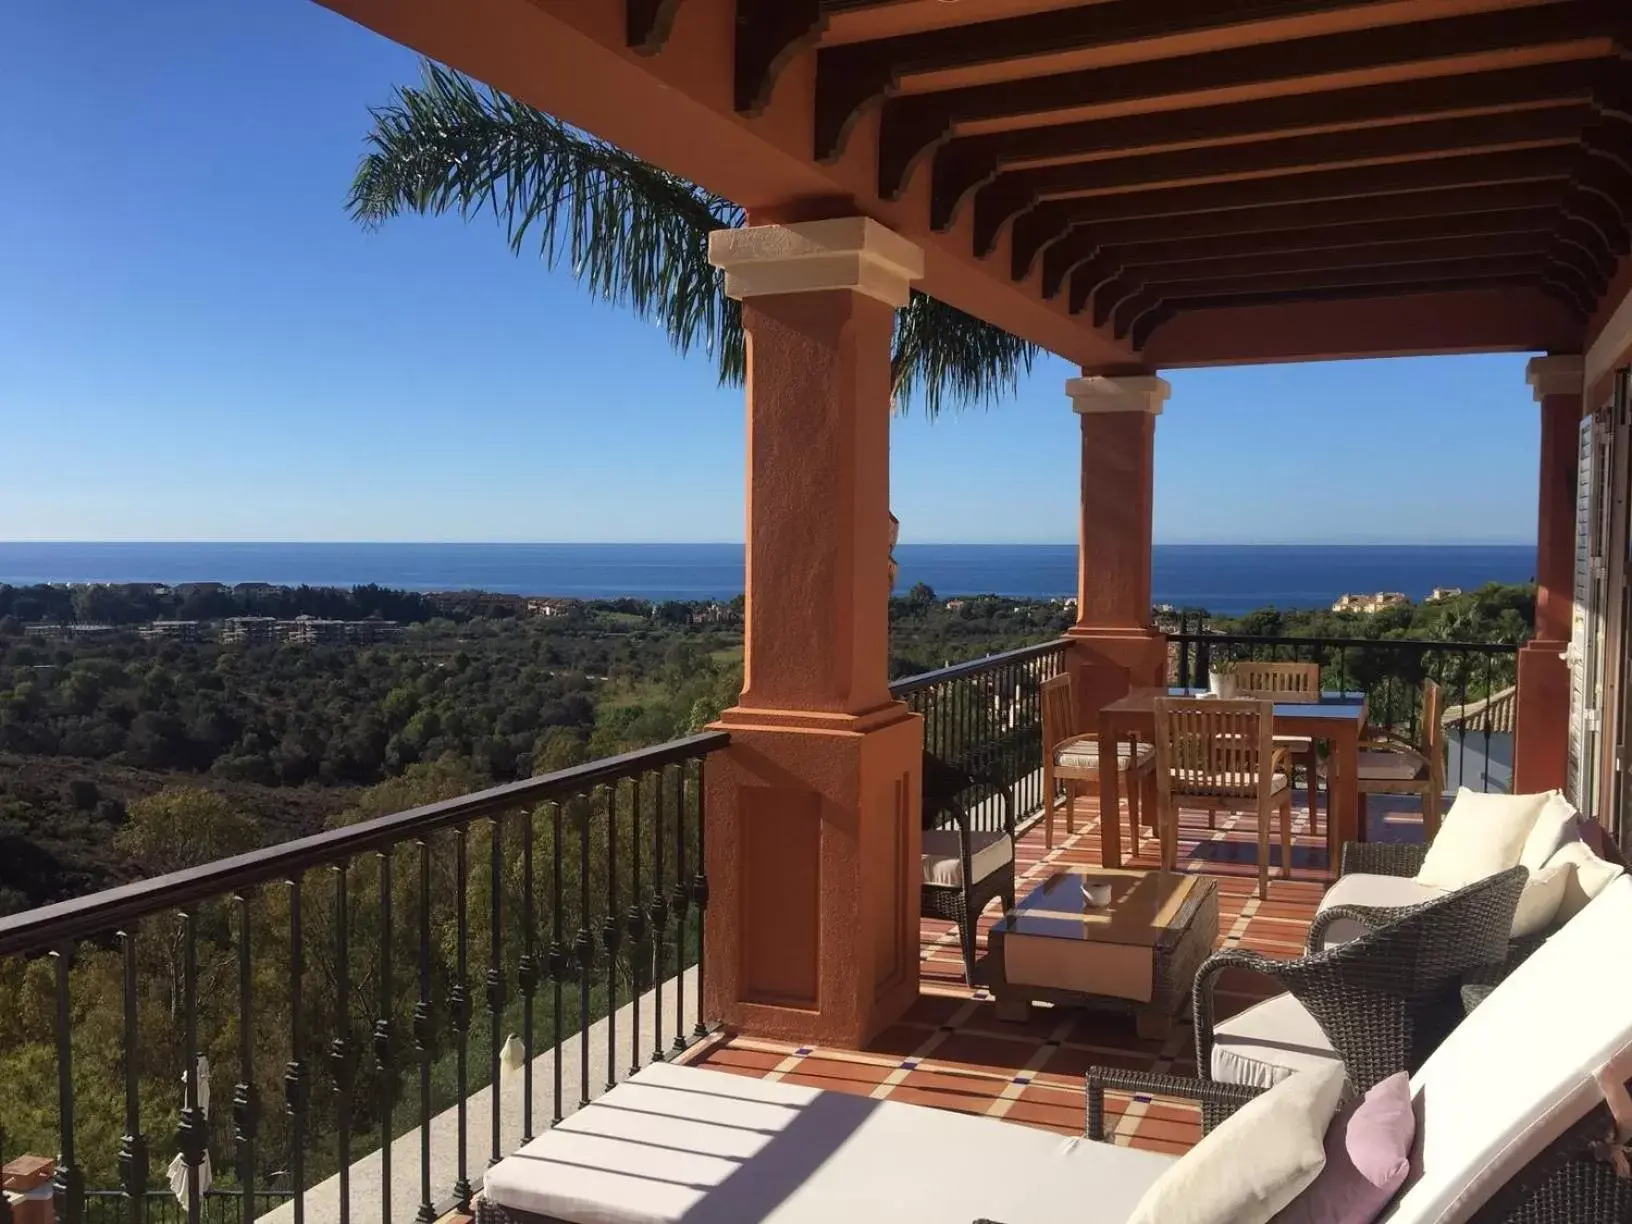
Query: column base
{"points": [[1105, 663], [1541, 733], [814, 874]]}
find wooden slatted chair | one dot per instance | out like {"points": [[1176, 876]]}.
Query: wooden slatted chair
{"points": [[1072, 757], [1288, 682], [1220, 756], [1393, 765]]}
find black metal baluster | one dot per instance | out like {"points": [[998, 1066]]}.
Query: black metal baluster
{"points": [[192, 1134], [342, 1063], [612, 935], [1490, 691], [133, 1167], [658, 911], [246, 1103], [294, 1072], [459, 1008], [384, 1062], [636, 921], [558, 959], [680, 899], [527, 974], [699, 895], [425, 1037], [495, 978], [1462, 700], [583, 946], [68, 1186]]}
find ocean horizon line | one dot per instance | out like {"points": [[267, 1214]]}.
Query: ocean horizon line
{"points": [[280, 543]]}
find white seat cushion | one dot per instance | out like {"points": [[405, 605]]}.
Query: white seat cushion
{"points": [[1266, 1043], [1519, 1070], [1207, 782], [1378, 766], [1084, 754], [682, 1143], [1481, 836], [1255, 1162], [988, 851], [1375, 891]]}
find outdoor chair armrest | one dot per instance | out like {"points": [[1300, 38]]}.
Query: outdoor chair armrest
{"points": [[1217, 1101], [1201, 996], [1382, 858], [1369, 916], [1279, 761]]}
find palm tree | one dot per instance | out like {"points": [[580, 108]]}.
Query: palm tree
{"points": [[631, 232]]}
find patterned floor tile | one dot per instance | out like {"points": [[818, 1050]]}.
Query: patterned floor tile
{"points": [[950, 1051]]}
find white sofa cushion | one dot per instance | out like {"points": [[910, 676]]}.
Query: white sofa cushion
{"points": [[943, 865], [1588, 875], [1255, 1162], [1555, 825], [1267, 1042], [683, 1143], [1539, 902], [1372, 891], [1481, 835], [1519, 1070]]}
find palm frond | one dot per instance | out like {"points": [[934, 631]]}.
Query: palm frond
{"points": [[943, 355], [633, 233]]}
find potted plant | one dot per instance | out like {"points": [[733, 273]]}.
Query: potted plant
{"points": [[1220, 673]]}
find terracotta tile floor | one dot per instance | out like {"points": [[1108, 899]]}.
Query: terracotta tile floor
{"points": [[951, 1051]]}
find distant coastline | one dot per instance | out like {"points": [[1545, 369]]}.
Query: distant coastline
{"points": [[1227, 579]]}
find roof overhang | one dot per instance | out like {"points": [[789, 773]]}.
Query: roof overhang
{"points": [[1133, 184]]}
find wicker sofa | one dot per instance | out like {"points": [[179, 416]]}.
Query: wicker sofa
{"points": [[1500, 1137]]}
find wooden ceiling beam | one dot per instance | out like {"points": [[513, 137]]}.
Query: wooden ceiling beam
{"points": [[968, 162], [769, 34], [1049, 220], [1014, 192], [1154, 295], [1081, 246], [647, 24], [1390, 262], [911, 125], [852, 77], [1140, 333]]}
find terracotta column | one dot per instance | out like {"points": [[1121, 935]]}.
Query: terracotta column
{"points": [[813, 811], [1541, 737], [1116, 646]]}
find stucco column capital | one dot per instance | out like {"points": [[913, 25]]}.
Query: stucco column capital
{"points": [[1099, 393], [842, 253], [1562, 375]]}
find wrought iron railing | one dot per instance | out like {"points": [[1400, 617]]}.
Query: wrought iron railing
{"points": [[985, 718], [338, 975], [163, 1207], [1390, 671]]}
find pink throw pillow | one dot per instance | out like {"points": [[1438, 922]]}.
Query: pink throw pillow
{"points": [[1368, 1154]]}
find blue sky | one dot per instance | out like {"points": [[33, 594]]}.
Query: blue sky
{"points": [[197, 343]]}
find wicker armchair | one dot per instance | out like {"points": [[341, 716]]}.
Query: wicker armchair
{"points": [[975, 866], [1405, 859], [1387, 999]]}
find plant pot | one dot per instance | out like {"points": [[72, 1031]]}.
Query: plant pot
{"points": [[1221, 684]]}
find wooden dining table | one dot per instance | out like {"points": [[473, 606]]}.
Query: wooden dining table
{"points": [[1336, 718]]}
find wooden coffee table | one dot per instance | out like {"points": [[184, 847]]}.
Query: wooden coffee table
{"points": [[1140, 953]]}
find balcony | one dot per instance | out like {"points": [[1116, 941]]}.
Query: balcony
{"points": [[359, 994]]}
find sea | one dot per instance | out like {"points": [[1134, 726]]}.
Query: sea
{"points": [[1224, 579]]}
